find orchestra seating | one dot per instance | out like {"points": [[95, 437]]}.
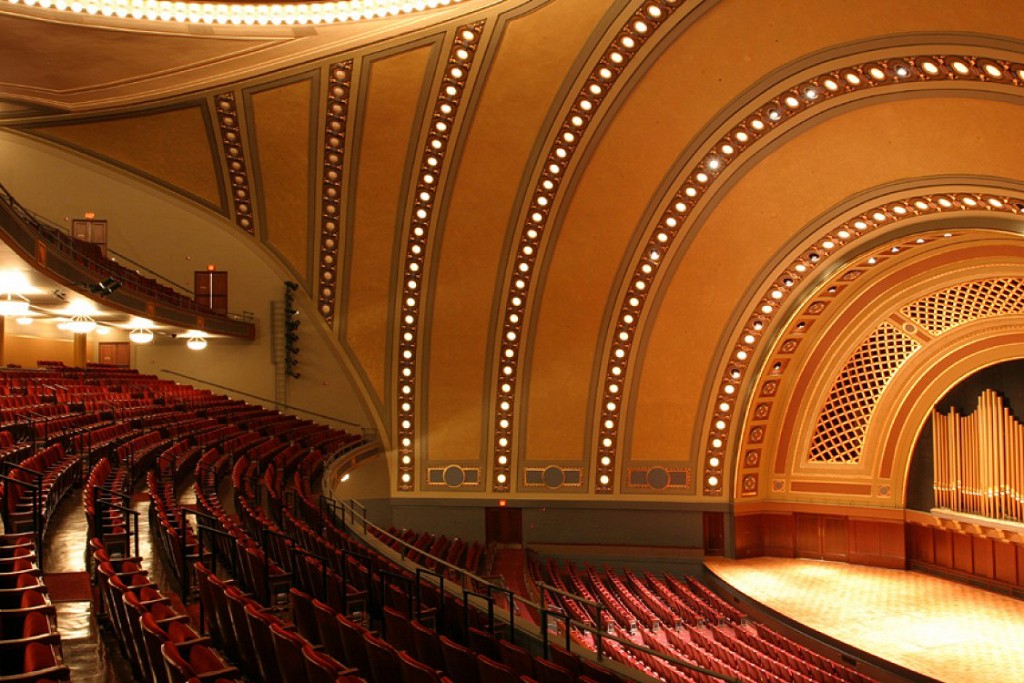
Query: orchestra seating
{"points": [[270, 584]]}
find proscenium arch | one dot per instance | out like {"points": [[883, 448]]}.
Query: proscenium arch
{"points": [[985, 246]]}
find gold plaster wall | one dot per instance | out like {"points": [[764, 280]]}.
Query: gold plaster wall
{"points": [[513, 100], [390, 113], [705, 68], [171, 146], [281, 120]]}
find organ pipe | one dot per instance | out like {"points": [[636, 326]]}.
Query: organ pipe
{"points": [[979, 460]]}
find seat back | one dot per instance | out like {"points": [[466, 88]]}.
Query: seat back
{"points": [[385, 664], [303, 616], [493, 671], [353, 644], [178, 670], [290, 661], [416, 672], [549, 672], [428, 648], [329, 630], [516, 657], [459, 662]]}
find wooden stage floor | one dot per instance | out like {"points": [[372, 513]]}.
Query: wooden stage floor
{"points": [[945, 630]]}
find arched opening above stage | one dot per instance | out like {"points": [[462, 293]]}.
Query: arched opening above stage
{"points": [[835, 404]]}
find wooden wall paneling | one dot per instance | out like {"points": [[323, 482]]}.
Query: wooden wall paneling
{"points": [[834, 536], [714, 533], [865, 540], [1005, 556], [892, 544], [808, 535], [749, 536], [921, 543], [1020, 565], [779, 535], [963, 553], [983, 556], [943, 548]]}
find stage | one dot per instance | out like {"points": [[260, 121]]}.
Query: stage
{"points": [[941, 629]]}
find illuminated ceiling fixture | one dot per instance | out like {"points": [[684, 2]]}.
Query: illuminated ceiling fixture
{"points": [[242, 13], [80, 324], [12, 304], [196, 343], [141, 335], [24, 320]]}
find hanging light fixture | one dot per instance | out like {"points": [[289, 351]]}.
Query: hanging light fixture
{"points": [[196, 343], [12, 304], [141, 335], [80, 324]]}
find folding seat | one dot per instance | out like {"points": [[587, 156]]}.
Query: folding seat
{"points": [[597, 672], [483, 643], [492, 671], [263, 642], [549, 672], [321, 668], [459, 662], [516, 657], [224, 634], [162, 615], [39, 662], [265, 578], [417, 672], [385, 665], [288, 647], [329, 630], [428, 648], [303, 616], [11, 597], [153, 637], [236, 601], [354, 644], [398, 631], [195, 661]]}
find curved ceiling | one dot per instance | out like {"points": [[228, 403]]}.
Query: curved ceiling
{"points": [[541, 231]]}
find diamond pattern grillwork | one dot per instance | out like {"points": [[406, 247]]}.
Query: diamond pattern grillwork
{"points": [[967, 302], [843, 421]]}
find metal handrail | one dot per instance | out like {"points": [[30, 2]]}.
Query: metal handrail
{"points": [[597, 631]]}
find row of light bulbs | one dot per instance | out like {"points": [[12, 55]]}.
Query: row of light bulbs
{"points": [[247, 13]]}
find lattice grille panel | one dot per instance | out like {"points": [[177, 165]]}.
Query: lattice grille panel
{"points": [[843, 421], [964, 303]]}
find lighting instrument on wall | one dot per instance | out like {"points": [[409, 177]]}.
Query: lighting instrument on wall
{"points": [[291, 330]]}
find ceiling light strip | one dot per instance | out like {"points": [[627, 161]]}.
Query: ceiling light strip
{"points": [[234, 153], [428, 180], [338, 91], [783, 107], [248, 14], [617, 55]]}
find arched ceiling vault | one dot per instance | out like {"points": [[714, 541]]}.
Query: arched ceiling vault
{"points": [[539, 233]]}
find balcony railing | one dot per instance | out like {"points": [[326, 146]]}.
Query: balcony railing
{"points": [[76, 264]]}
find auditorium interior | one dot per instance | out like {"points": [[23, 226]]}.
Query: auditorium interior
{"points": [[537, 341]]}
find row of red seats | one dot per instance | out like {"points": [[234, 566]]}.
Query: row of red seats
{"points": [[29, 638], [154, 633], [35, 486]]}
